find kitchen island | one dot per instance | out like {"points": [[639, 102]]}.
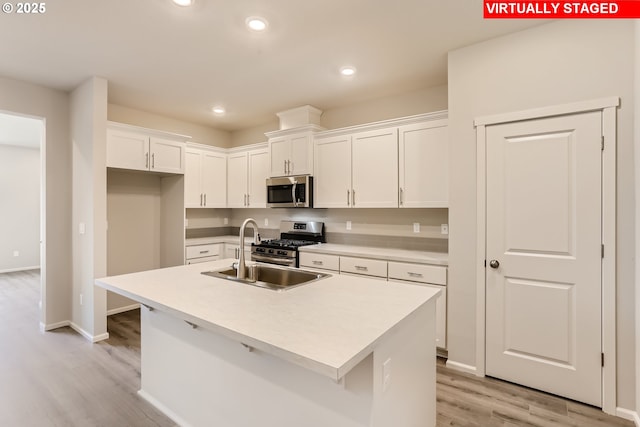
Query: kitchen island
{"points": [[342, 351]]}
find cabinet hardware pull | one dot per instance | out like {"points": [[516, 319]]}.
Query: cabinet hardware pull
{"points": [[245, 200], [288, 167], [146, 162], [205, 199], [361, 268], [148, 307], [285, 167], [204, 252], [401, 196], [316, 262], [153, 161], [353, 197], [414, 274], [248, 200], [348, 197], [200, 199], [193, 325]]}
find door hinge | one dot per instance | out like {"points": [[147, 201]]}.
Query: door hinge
{"points": [[602, 251], [602, 142], [601, 359]]}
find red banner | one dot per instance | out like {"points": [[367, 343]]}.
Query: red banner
{"points": [[561, 9]]}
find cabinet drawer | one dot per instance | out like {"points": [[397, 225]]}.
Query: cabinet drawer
{"points": [[204, 259], [366, 267], [199, 251], [418, 273], [323, 261]]}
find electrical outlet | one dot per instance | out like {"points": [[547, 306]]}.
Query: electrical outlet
{"points": [[348, 225], [80, 299], [266, 222], [226, 221], [386, 375], [16, 253], [416, 227], [444, 228], [186, 222], [82, 228]]}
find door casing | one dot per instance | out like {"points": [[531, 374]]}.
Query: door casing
{"points": [[608, 107]]}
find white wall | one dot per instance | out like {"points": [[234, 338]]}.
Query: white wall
{"points": [[20, 214], [390, 107], [199, 133], [53, 106], [637, 188], [89, 207], [557, 63]]}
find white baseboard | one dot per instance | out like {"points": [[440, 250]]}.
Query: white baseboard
{"points": [[162, 408], [12, 270], [87, 335], [461, 367], [51, 326], [122, 309], [628, 414]]}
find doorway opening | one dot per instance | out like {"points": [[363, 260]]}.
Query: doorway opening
{"points": [[22, 189]]}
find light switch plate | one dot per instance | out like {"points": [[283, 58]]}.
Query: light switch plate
{"points": [[226, 221], [348, 225], [416, 227], [266, 222], [444, 228]]}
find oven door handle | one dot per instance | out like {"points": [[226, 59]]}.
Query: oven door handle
{"points": [[293, 194], [289, 262]]}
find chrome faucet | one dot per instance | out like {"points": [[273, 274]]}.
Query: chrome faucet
{"points": [[256, 239]]}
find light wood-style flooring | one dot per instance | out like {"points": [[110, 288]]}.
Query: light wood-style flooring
{"points": [[58, 378]]}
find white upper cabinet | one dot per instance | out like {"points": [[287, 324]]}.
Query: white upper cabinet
{"points": [[205, 178], [137, 150], [424, 165], [332, 180], [395, 163], [359, 170], [374, 160], [246, 178], [291, 151]]}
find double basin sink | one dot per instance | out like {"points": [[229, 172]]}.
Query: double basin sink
{"points": [[269, 276]]}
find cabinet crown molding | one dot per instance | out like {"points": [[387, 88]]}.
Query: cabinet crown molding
{"points": [[240, 148], [401, 121], [148, 131], [291, 131]]}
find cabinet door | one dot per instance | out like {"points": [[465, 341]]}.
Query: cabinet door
{"points": [[127, 150], [279, 153], [192, 177], [214, 179], [257, 179], [237, 180], [301, 157], [375, 169], [332, 181], [424, 165], [167, 156]]}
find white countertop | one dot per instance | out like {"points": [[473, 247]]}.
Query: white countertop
{"points": [[387, 254], [217, 239], [327, 326]]}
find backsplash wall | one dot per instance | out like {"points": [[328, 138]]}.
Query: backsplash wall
{"points": [[391, 228]]}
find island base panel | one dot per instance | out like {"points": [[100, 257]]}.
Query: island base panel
{"points": [[200, 378]]}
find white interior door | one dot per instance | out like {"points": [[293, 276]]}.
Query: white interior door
{"points": [[543, 300]]}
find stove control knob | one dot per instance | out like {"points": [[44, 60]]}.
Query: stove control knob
{"points": [[282, 253]]}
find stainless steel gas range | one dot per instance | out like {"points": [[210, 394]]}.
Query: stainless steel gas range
{"points": [[284, 251]]}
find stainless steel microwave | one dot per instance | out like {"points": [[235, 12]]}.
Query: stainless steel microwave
{"points": [[290, 192]]}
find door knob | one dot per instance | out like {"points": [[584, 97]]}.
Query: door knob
{"points": [[494, 263]]}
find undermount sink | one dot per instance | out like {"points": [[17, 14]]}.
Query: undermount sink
{"points": [[269, 276]]}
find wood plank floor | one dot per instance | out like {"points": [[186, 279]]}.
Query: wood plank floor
{"points": [[60, 379]]}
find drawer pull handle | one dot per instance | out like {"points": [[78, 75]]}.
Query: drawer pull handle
{"points": [[361, 268], [316, 262], [204, 252], [414, 274]]}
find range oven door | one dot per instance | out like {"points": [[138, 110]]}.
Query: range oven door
{"points": [[287, 262], [290, 192]]}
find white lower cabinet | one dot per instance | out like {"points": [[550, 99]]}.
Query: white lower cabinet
{"points": [[232, 250], [319, 261], [202, 253], [363, 266]]}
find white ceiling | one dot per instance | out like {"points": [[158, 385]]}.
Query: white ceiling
{"points": [[20, 131], [180, 62]]}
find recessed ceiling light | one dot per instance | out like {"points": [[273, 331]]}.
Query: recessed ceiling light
{"points": [[256, 23], [348, 71], [183, 2], [218, 110]]}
